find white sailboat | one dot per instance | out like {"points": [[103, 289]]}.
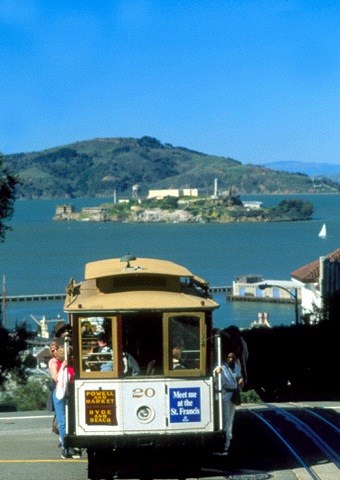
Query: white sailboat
{"points": [[323, 231]]}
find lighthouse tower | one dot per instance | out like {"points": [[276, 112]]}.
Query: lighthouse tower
{"points": [[215, 195]]}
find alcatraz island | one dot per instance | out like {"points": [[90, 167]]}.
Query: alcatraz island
{"points": [[186, 206]]}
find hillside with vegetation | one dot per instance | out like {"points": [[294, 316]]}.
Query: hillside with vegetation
{"points": [[98, 167]]}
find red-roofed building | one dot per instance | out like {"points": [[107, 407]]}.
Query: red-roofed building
{"points": [[320, 287]]}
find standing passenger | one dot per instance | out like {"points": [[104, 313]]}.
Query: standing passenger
{"points": [[231, 381], [56, 364], [240, 348], [53, 347], [62, 329]]}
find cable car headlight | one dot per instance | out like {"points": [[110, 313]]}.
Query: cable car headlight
{"points": [[145, 414]]}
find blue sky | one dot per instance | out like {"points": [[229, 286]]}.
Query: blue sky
{"points": [[255, 80]]}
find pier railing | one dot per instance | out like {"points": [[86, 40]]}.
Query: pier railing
{"points": [[61, 296]]}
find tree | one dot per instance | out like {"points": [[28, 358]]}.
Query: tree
{"points": [[12, 344], [8, 184], [170, 203], [294, 209]]}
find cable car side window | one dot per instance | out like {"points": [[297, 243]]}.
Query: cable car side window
{"points": [[185, 344], [98, 347]]}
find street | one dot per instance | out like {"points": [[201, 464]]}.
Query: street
{"points": [[29, 449]]}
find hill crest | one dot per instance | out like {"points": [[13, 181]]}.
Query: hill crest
{"points": [[100, 166]]}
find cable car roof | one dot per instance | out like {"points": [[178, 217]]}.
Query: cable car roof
{"points": [[89, 301], [129, 283], [130, 265]]}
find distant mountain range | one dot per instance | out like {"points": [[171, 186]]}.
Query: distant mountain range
{"points": [[328, 170], [101, 166]]}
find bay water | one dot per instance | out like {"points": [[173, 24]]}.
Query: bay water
{"points": [[40, 255]]}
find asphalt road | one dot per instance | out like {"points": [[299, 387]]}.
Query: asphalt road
{"points": [[29, 451]]}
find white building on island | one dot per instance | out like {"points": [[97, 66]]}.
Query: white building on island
{"points": [[173, 192]]}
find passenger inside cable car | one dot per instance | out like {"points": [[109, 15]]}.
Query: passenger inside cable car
{"points": [[177, 360]]}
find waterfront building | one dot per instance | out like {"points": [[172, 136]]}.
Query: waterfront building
{"points": [[319, 283], [250, 288]]}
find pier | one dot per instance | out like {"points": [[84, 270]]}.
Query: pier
{"points": [[232, 294], [252, 298], [34, 297], [220, 289]]}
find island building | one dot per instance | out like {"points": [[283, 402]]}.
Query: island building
{"points": [[64, 210], [172, 192], [252, 204], [67, 212]]}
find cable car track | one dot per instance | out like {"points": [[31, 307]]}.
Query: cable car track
{"points": [[302, 418], [320, 416], [311, 439]]}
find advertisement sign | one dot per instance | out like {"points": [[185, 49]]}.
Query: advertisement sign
{"points": [[100, 407], [185, 405]]}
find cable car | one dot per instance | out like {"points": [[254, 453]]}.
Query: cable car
{"points": [[143, 401]]}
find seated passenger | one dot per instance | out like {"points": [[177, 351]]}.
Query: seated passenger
{"points": [[100, 357], [177, 362], [105, 359], [106, 366], [131, 366], [151, 367], [104, 354]]}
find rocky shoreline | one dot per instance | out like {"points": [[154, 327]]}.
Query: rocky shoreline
{"points": [[100, 214]]}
